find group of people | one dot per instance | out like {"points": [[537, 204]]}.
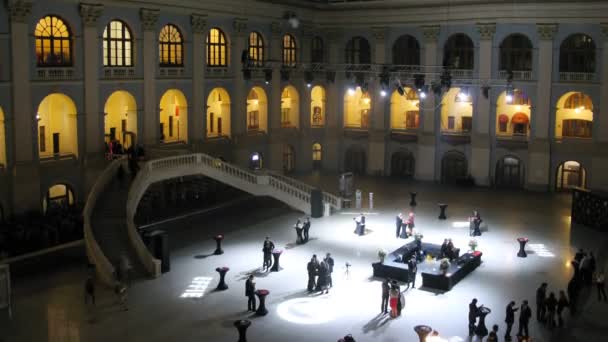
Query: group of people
{"points": [[548, 308], [302, 229], [392, 296], [475, 223], [448, 250], [404, 227], [319, 274], [360, 225]]}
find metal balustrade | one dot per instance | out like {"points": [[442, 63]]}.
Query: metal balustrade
{"points": [[55, 74], [118, 73], [576, 76], [523, 75]]}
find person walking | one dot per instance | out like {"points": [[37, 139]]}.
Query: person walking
{"points": [[306, 228], [562, 303], [330, 265], [599, 282], [510, 319], [541, 298], [398, 224], [524, 319], [551, 305], [250, 292], [385, 291], [298, 227], [473, 313], [89, 291], [267, 250]]}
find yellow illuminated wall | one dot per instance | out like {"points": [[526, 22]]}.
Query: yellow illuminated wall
{"points": [[218, 113], [457, 108], [505, 111], [120, 107], [317, 106], [402, 106], [2, 140], [257, 110], [573, 106], [174, 116], [290, 107], [57, 115], [357, 108]]}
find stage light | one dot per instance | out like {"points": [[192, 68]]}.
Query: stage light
{"points": [[255, 157], [509, 98], [463, 96], [419, 81], [267, 75], [400, 89], [383, 93], [510, 92], [308, 85], [421, 94], [351, 91], [266, 82]]}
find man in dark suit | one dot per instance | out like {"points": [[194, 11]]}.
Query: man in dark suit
{"points": [[473, 313], [267, 249], [398, 224], [444, 249], [412, 269], [330, 264], [510, 319], [250, 293], [312, 272], [385, 288], [541, 298], [306, 227], [524, 318]]}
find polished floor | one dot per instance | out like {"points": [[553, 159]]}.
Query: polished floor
{"points": [[49, 306]]}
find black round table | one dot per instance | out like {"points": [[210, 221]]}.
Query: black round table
{"points": [[413, 199], [522, 247], [222, 284], [481, 329], [276, 254], [423, 331], [442, 208], [242, 325], [261, 311], [218, 244]]}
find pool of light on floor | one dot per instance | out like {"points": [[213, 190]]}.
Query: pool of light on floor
{"points": [[197, 287]]}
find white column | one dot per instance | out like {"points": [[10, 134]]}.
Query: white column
{"points": [[238, 99], [334, 100], [538, 148], [425, 161], [599, 163], [26, 184], [151, 114], [480, 139], [377, 142], [274, 105], [198, 115]]}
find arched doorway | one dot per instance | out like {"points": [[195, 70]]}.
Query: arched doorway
{"points": [[57, 127], [120, 119], [570, 174], [255, 161], [402, 164], [513, 113], [574, 116], [457, 111], [317, 106], [317, 156], [509, 172], [257, 111], [290, 108], [453, 167], [2, 141], [58, 197], [357, 105], [289, 159], [218, 113], [173, 117], [354, 160]]}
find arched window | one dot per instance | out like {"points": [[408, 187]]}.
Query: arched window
{"points": [[289, 51], [459, 52], [53, 42], [406, 51], [58, 197], [516, 53], [358, 51], [171, 46], [117, 44], [574, 116], [577, 54], [216, 48], [317, 52], [256, 49]]}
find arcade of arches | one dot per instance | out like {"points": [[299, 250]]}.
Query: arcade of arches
{"points": [[58, 196], [120, 120], [173, 117], [402, 164], [454, 167], [456, 111], [290, 108], [513, 114], [317, 106], [509, 172], [357, 105], [2, 141], [405, 109], [257, 110], [355, 160], [57, 127], [218, 113], [570, 174], [574, 116]]}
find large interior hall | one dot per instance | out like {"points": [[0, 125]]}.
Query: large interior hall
{"points": [[303, 170]]}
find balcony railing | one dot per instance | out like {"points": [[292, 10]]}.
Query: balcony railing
{"points": [[55, 74], [171, 72], [523, 75], [404, 134], [218, 72], [461, 73], [577, 76], [118, 73], [512, 141], [356, 132]]}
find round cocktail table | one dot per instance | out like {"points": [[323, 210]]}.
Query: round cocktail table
{"points": [[218, 244], [276, 254], [262, 293], [522, 247], [242, 325], [222, 284]]}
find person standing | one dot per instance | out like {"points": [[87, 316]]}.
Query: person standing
{"points": [[411, 217], [562, 303], [267, 249], [89, 291], [398, 224], [393, 296], [493, 337], [306, 228], [573, 289], [473, 313], [322, 279], [510, 319], [298, 227], [541, 298], [362, 225], [524, 319], [385, 290], [250, 292], [599, 282], [312, 271], [330, 265], [551, 305], [412, 268]]}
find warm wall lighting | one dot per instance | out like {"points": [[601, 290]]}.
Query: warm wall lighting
{"points": [[383, 93], [366, 100], [351, 91]]}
